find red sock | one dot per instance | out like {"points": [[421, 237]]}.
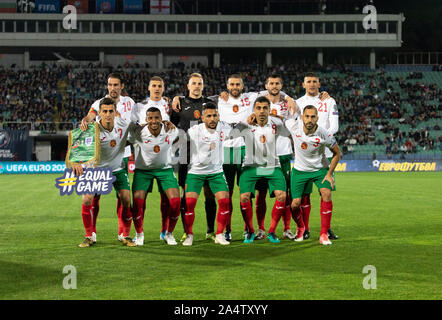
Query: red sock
{"points": [[229, 218], [305, 209], [326, 214], [298, 217], [126, 217], [119, 213], [86, 214], [174, 213], [164, 212], [95, 209], [138, 214], [287, 216], [277, 212], [189, 216], [223, 214], [261, 208], [247, 215]]}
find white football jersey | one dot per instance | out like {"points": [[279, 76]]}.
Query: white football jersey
{"points": [[283, 144], [261, 142], [113, 143], [139, 111], [153, 152], [328, 117], [236, 110], [124, 108], [206, 148], [310, 149]]}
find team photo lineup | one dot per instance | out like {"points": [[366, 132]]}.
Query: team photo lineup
{"points": [[212, 156], [248, 136]]}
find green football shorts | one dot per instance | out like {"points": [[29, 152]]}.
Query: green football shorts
{"points": [[233, 160], [143, 179], [286, 166], [217, 182], [122, 181], [309, 188], [251, 175], [301, 179]]}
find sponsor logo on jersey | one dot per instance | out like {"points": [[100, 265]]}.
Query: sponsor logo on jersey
{"points": [[304, 146], [235, 108], [156, 149], [113, 143], [196, 114], [262, 139]]}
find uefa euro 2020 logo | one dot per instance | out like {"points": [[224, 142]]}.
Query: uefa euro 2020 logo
{"points": [[92, 181]]}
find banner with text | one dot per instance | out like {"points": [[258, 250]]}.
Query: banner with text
{"points": [[13, 145], [47, 6]]}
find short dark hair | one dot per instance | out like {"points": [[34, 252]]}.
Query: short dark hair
{"points": [[311, 75], [116, 75], [156, 78], [260, 100], [209, 106], [234, 76], [308, 107], [107, 101], [153, 109], [274, 75]]}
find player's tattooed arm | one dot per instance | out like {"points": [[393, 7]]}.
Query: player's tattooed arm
{"points": [[334, 162], [176, 106]]}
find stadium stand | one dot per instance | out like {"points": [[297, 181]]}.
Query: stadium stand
{"points": [[393, 112]]}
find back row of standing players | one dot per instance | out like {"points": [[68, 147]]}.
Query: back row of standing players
{"points": [[208, 122]]}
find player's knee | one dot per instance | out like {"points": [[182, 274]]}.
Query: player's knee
{"points": [[280, 196], [296, 203], [244, 198], [87, 199], [326, 194]]}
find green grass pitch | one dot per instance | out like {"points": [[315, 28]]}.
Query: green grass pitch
{"points": [[392, 221]]}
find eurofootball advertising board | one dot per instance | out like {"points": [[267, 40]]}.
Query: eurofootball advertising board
{"points": [[343, 166]]}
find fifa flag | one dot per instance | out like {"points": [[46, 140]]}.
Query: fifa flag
{"points": [[159, 6], [8, 6], [105, 6], [47, 6], [82, 6], [133, 6]]}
